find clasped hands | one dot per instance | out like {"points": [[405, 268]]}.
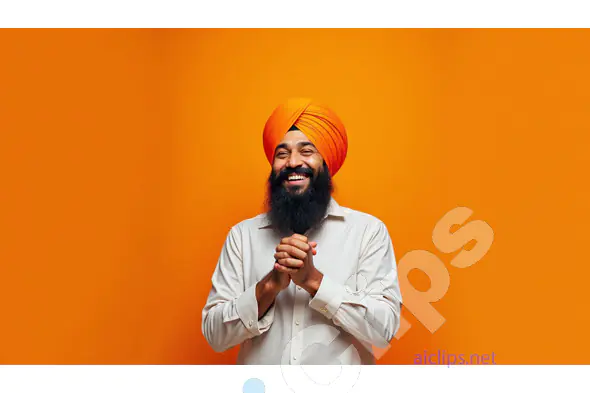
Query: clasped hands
{"points": [[294, 261]]}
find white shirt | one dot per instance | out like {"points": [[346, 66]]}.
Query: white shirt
{"points": [[357, 305]]}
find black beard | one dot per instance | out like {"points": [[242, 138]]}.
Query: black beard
{"points": [[294, 212]]}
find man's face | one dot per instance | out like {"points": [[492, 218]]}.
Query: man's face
{"points": [[296, 162]]}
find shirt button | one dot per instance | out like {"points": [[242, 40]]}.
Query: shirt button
{"points": [[250, 323], [294, 357], [296, 322], [299, 288]]}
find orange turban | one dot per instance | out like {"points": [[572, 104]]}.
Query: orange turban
{"points": [[321, 126]]}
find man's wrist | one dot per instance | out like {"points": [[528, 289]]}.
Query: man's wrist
{"points": [[266, 293], [267, 287], [313, 282]]}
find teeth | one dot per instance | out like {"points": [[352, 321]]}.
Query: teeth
{"points": [[296, 177]]}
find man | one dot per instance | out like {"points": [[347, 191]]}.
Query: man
{"points": [[309, 281]]}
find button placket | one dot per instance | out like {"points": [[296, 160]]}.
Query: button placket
{"points": [[298, 313]]}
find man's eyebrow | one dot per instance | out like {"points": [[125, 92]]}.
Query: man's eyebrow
{"points": [[281, 146], [299, 144], [305, 143]]}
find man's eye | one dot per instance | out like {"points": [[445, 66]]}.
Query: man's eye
{"points": [[307, 151], [282, 154]]}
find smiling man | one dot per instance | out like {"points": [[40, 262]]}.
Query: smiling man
{"points": [[309, 281]]}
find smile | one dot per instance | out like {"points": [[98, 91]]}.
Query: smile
{"points": [[296, 178]]}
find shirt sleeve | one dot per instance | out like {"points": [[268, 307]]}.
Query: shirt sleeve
{"points": [[230, 315], [370, 312]]}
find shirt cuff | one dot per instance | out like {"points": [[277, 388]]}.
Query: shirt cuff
{"points": [[247, 308], [328, 297]]}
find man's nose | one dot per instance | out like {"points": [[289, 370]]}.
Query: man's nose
{"points": [[294, 161]]}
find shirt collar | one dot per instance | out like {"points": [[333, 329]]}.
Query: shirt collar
{"points": [[334, 210]]}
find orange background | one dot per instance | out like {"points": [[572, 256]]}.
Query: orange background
{"points": [[126, 156]]}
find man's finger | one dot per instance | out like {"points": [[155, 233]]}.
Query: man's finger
{"points": [[281, 255], [284, 269], [294, 236], [292, 251], [313, 246], [303, 246], [299, 237], [290, 262]]}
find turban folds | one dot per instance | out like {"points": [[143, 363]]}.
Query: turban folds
{"points": [[321, 126]]}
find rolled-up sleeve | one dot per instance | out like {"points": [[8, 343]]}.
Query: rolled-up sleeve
{"points": [[230, 315], [371, 313]]}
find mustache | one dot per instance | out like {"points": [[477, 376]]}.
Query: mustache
{"points": [[285, 173]]}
